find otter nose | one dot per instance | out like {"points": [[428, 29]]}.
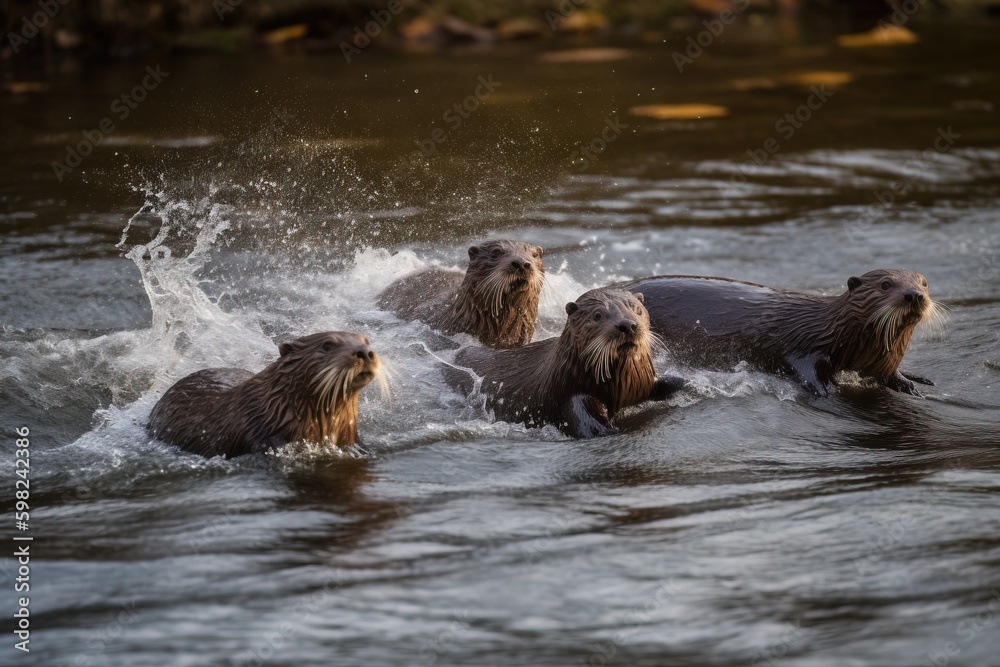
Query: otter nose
{"points": [[627, 326], [913, 296], [519, 264], [365, 353]]}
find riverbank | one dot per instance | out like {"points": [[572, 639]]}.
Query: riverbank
{"points": [[115, 28]]}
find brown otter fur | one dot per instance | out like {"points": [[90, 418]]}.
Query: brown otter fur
{"points": [[309, 394], [718, 322], [601, 363], [496, 301]]}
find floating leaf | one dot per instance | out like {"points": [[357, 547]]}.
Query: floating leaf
{"points": [[286, 34], [679, 111], [883, 35], [585, 55], [819, 78]]}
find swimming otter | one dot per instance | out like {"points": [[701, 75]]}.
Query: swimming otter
{"points": [[310, 393], [718, 322], [602, 362], [496, 301]]}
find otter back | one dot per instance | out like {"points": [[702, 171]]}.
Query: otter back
{"points": [[717, 323], [188, 413]]}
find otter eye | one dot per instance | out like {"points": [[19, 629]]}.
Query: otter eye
{"points": [[328, 345], [597, 317], [886, 284], [923, 283], [537, 254], [496, 253]]}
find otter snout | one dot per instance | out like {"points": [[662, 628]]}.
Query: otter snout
{"points": [[913, 296], [365, 353], [627, 326], [520, 264]]}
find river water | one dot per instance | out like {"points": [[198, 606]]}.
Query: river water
{"points": [[744, 523]]}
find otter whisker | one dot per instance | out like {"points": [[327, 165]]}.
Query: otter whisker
{"points": [[882, 324], [333, 383], [934, 318], [383, 385], [493, 288], [597, 357]]}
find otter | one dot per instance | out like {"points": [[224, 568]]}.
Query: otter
{"points": [[717, 322], [496, 301], [310, 393], [578, 381]]}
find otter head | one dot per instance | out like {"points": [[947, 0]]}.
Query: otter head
{"points": [[606, 327], [332, 366], [892, 302], [506, 274]]}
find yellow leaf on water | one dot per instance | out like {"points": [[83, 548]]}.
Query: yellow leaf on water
{"points": [[584, 55], [421, 27], [583, 20], [679, 111], [286, 34], [754, 83], [819, 78], [883, 35], [22, 87]]}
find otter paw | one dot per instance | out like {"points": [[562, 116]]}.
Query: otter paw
{"points": [[917, 378], [587, 417], [666, 386], [901, 384]]}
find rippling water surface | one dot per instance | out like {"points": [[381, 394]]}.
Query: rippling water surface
{"points": [[745, 523]]}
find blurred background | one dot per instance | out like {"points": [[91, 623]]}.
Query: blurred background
{"points": [[120, 28], [184, 183]]}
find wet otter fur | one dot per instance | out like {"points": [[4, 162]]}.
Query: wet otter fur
{"points": [[601, 363], [309, 394], [717, 323], [495, 301]]}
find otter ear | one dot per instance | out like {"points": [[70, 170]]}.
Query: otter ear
{"points": [[571, 308], [473, 251], [853, 283], [541, 251], [639, 296], [285, 348]]}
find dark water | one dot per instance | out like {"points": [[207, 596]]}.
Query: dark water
{"points": [[746, 523]]}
